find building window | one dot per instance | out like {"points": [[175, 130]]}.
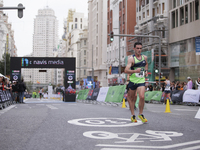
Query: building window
{"points": [[81, 26], [153, 12], [81, 20], [84, 62], [173, 19], [163, 8], [177, 18], [97, 40], [84, 52], [182, 16], [97, 17], [75, 19], [75, 26], [196, 9], [84, 72], [84, 42], [72, 26], [186, 13], [147, 1], [123, 3], [191, 12], [174, 3], [97, 51], [143, 14], [97, 6], [147, 12]]}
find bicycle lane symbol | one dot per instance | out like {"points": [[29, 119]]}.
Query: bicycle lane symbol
{"points": [[133, 137]]}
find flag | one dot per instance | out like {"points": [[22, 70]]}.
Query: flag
{"points": [[110, 70]]}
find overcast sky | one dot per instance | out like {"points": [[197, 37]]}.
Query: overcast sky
{"points": [[23, 28]]}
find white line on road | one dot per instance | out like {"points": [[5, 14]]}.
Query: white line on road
{"points": [[185, 110], [151, 147], [6, 109], [193, 148], [51, 107]]}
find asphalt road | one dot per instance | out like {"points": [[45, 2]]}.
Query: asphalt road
{"points": [[55, 125]]}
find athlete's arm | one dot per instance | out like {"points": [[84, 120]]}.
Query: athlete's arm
{"points": [[128, 66], [146, 67]]}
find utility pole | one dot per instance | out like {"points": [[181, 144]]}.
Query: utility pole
{"points": [[92, 69], [119, 69], [5, 61]]}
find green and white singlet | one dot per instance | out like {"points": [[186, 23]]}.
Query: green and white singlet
{"points": [[138, 77]]}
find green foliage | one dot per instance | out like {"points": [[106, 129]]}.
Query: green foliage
{"points": [[2, 64]]}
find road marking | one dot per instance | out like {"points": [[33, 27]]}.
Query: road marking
{"points": [[133, 137], [6, 109], [185, 110], [151, 147], [51, 107], [104, 122], [39, 104], [193, 148]]}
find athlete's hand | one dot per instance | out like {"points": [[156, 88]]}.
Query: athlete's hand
{"points": [[146, 73], [138, 70]]}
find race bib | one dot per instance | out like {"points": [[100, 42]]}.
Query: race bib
{"points": [[140, 75]]}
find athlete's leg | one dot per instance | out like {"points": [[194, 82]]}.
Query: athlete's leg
{"points": [[169, 96], [141, 91], [165, 95], [131, 100]]}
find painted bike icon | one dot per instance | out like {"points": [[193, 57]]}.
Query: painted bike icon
{"points": [[133, 137]]}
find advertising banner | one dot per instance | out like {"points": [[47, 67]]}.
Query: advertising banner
{"points": [[191, 96], [197, 44], [115, 94], [89, 97], [102, 94], [149, 94], [95, 94], [177, 96], [157, 96], [85, 94]]}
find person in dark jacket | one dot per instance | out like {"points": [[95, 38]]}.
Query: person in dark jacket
{"points": [[22, 88]]}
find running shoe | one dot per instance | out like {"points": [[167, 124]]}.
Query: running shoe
{"points": [[142, 118], [133, 118]]}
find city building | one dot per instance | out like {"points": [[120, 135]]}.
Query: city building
{"points": [[184, 39], [97, 40], [152, 19], [121, 19], [74, 25], [7, 42], [45, 41], [82, 49]]}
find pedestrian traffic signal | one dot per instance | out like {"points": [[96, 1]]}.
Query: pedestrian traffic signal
{"points": [[156, 70], [111, 36], [161, 75], [20, 10]]}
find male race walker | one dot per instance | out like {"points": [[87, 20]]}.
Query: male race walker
{"points": [[137, 67]]}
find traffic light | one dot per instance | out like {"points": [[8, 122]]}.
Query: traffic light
{"points": [[20, 10], [156, 70], [111, 36], [161, 75]]}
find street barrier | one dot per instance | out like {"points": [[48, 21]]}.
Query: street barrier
{"points": [[89, 97], [102, 94], [115, 94], [177, 96], [5, 98], [148, 95], [95, 94], [157, 96], [83, 94], [192, 96]]}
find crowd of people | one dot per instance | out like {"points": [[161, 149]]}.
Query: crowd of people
{"points": [[16, 88], [176, 85]]}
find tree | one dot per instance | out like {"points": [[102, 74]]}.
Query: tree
{"points": [[2, 64]]}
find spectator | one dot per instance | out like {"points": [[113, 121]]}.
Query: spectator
{"points": [[1, 82], [181, 86], [198, 83], [22, 88], [172, 88], [146, 88], [162, 88], [185, 86], [177, 85], [150, 88], [14, 90], [157, 87], [189, 84], [40, 91]]}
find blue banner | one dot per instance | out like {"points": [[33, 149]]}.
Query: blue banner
{"points": [[115, 70], [197, 44]]}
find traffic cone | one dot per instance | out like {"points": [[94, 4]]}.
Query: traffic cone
{"points": [[123, 103], [167, 109]]}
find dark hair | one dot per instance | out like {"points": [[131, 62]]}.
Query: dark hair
{"points": [[137, 43], [166, 77]]}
